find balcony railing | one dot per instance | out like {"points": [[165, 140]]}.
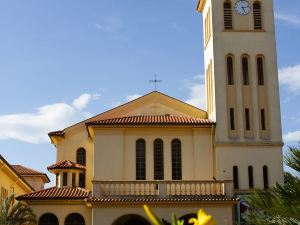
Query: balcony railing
{"points": [[161, 188]]}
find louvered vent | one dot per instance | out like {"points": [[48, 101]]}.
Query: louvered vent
{"points": [[257, 16], [227, 16]]}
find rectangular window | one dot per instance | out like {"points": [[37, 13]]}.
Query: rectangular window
{"points": [[82, 180], [232, 123], [263, 119], [247, 118], [65, 179], [56, 179], [73, 179]]}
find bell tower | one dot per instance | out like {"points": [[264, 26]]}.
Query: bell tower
{"points": [[242, 89]]}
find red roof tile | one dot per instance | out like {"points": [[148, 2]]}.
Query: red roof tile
{"points": [[25, 171], [66, 164], [55, 193], [152, 120], [173, 199], [59, 133]]}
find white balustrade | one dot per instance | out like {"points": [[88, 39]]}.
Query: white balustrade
{"points": [[160, 188]]}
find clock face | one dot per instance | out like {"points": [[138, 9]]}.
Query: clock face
{"points": [[243, 7]]}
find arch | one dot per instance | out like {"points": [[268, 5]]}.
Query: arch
{"points": [[245, 70], [227, 15], [186, 217], [131, 219], [266, 177], [74, 219], [250, 177], [176, 160], [236, 177], [140, 147], [257, 19], [230, 69], [158, 150], [48, 219], [260, 70], [81, 156]]}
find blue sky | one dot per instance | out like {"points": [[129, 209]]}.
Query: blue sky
{"points": [[64, 60]]}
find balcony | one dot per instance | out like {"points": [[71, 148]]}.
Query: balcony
{"points": [[162, 188]]}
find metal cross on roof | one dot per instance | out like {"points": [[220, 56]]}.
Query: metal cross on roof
{"points": [[155, 81]]}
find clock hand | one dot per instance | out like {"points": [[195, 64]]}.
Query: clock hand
{"points": [[243, 9]]}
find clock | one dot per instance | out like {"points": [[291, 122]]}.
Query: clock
{"points": [[243, 7]]}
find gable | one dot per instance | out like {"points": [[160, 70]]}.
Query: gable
{"points": [[154, 103]]}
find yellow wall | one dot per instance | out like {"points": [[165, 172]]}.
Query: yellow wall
{"points": [[239, 41], [62, 209], [256, 156], [110, 212], [10, 182], [77, 137], [36, 182], [115, 152]]}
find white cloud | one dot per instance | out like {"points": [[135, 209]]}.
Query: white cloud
{"points": [[197, 95], [132, 97], [83, 100], [34, 127], [129, 98], [288, 18], [290, 76], [292, 136], [110, 24]]}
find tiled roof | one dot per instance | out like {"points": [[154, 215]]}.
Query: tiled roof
{"points": [[55, 193], [173, 199], [15, 172], [59, 133], [25, 171], [66, 164], [152, 120]]}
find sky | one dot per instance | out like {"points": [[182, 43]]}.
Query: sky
{"points": [[62, 61]]}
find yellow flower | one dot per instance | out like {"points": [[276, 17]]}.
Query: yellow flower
{"points": [[152, 216], [203, 219]]}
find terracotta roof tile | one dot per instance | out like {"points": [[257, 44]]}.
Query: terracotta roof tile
{"points": [[25, 171], [173, 199], [55, 193], [59, 133], [152, 120], [66, 164]]}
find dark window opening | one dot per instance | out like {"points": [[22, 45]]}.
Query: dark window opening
{"points": [[81, 156], [263, 119], [140, 159], [176, 160], [245, 66], [73, 179], [158, 160], [131, 219], [230, 80], [227, 16], [257, 16], [65, 179], [260, 71], [247, 118], [235, 177], [48, 219], [74, 219], [266, 177], [56, 179], [232, 123], [250, 176], [82, 180]]}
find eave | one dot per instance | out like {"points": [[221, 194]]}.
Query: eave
{"points": [[200, 5]]}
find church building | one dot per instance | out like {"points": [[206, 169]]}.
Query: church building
{"points": [[160, 151]]}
